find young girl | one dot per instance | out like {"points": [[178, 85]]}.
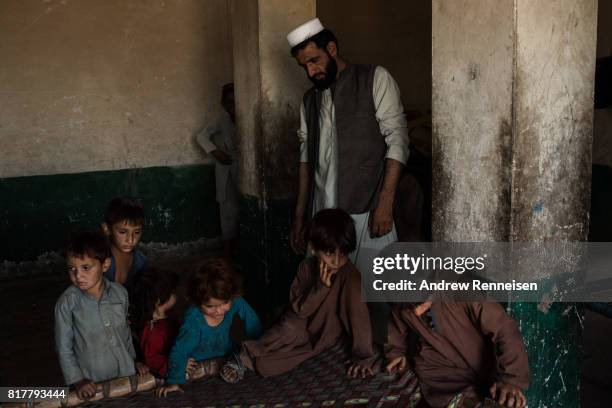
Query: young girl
{"points": [[152, 297], [215, 291]]}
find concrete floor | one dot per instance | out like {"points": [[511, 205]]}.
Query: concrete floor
{"points": [[27, 356]]}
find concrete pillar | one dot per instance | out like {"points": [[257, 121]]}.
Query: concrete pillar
{"points": [[269, 88], [512, 122]]}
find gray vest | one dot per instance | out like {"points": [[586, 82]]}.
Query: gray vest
{"points": [[361, 146]]}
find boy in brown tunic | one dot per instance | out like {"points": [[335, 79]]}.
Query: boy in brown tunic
{"points": [[325, 307], [471, 348]]}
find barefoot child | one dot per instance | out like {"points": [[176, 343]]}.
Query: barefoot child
{"points": [[153, 295], [325, 307], [92, 336], [471, 348], [123, 224], [205, 333]]}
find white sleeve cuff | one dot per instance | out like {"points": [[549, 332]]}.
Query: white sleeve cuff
{"points": [[398, 153]]}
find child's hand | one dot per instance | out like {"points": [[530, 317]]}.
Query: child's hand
{"points": [[508, 395], [192, 366], [296, 237], [397, 365], [167, 389], [325, 273], [355, 370], [85, 389], [141, 368]]}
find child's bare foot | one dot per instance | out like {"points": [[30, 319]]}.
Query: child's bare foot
{"points": [[233, 370], [201, 369]]}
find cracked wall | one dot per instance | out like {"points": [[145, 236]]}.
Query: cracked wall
{"points": [[512, 136]]}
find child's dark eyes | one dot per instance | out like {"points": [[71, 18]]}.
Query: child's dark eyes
{"points": [[213, 306], [137, 232]]}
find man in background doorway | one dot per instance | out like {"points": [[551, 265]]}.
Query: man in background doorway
{"points": [[219, 141]]}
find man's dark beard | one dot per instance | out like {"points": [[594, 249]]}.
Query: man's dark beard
{"points": [[331, 69]]}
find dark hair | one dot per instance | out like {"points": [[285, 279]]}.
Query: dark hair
{"points": [[214, 278], [152, 286], [226, 90], [321, 39], [332, 229], [124, 209], [88, 243]]}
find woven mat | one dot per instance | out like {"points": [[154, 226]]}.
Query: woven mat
{"points": [[318, 382]]}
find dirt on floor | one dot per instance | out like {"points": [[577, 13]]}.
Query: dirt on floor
{"points": [[28, 358]]}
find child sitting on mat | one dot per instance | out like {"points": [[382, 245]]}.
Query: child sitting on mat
{"points": [[470, 348], [325, 308], [215, 291], [153, 295]]}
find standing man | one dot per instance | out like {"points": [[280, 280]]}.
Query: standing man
{"points": [[353, 142], [218, 140]]}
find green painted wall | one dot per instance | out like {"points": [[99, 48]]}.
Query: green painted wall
{"points": [[37, 213], [553, 340]]}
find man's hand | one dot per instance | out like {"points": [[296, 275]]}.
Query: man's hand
{"points": [[141, 368], [381, 220], [397, 365], [326, 274], [355, 370], [508, 395], [296, 239], [221, 156], [167, 389], [85, 389]]}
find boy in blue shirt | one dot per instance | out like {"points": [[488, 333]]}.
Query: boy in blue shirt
{"points": [[123, 224], [92, 337]]}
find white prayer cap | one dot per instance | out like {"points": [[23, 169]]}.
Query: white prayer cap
{"points": [[304, 32]]}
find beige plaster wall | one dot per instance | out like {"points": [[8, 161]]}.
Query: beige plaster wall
{"points": [[283, 84], [269, 89], [247, 82], [472, 119], [108, 84]]}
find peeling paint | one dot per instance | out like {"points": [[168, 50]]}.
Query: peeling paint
{"points": [[537, 208], [512, 154]]}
